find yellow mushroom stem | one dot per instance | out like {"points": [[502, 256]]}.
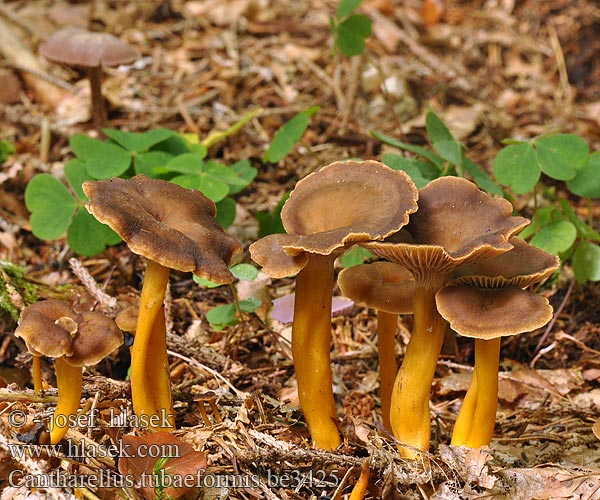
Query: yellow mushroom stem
{"points": [[311, 344], [387, 323], [150, 381], [487, 359], [409, 414], [68, 381], [36, 373], [360, 488], [464, 420]]}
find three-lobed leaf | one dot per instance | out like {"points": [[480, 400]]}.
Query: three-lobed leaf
{"points": [[516, 166], [586, 182], [52, 206], [560, 156], [586, 262], [137, 142], [88, 237], [556, 237], [352, 34], [102, 159], [346, 7]]}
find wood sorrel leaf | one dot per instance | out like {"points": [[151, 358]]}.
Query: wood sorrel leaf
{"points": [[586, 262], [76, 174], [88, 237], [516, 166], [222, 316], [245, 272], [586, 182], [226, 209], [346, 7], [137, 142], [352, 34], [560, 156], [51, 206], [102, 160], [556, 237], [150, 163]]}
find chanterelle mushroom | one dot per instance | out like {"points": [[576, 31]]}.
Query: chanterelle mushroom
{"points": [[77, 47], [174, 228], [388, 288], [456, 223], [342, 204], [52, 328], [487, 301]]}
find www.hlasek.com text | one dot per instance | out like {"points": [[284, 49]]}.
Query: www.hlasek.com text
{"points": [[90, 449]]}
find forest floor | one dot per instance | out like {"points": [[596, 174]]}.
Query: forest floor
{"points": [[492, 70]]}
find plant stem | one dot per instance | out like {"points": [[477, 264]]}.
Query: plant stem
{"points": [[69, 381], [311, 344], [150, 381], [387, 323], [487, 359], [410, 399]]}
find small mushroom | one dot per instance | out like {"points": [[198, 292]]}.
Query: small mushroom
{"points": [[208, 397], [52, 328], [77, 47], [328, 211], [174, 228], [456, 223], [388, 288], [487, 302]]}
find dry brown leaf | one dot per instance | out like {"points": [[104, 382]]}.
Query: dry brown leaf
{"points": [[470, 463], [552, 483], [178, 474]]}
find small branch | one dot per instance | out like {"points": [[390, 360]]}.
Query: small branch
{"points": [[106, 301], [554, 318]]}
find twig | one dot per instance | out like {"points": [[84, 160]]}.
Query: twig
{"points": [[106, 301], [214, 373], [554, 318]]}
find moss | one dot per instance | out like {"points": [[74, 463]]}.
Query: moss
{"points": [[15, 287]]}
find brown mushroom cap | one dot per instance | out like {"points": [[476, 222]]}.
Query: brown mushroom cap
{"points": [[127, 319], [75, 46], [456, 222], [522, 266], [384, 286], [346, 202], [97, 336], [269, 253], [52, 328], [488, 313], [343, 203], [41, 328], [165, 223]]}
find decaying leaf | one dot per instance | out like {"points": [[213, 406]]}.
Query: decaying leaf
{"points": [[180, 470], [470, 464]]}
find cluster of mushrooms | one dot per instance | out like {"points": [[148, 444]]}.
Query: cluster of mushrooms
{"points": [[450, 256]]}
